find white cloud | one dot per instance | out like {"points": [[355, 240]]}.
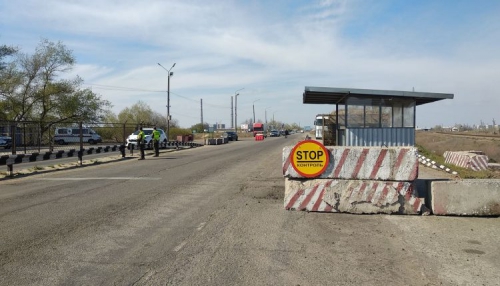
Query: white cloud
{"points": [[271, 49]]}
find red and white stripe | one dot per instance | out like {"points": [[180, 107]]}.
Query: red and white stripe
{"points": [[358, 163], [469, 160], [309, 199], [345, 194]]}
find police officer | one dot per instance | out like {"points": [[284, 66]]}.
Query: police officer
{"points": [[156, 142], [140, 141]]}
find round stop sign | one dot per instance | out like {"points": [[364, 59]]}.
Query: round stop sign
{"points": [[309, 158]]}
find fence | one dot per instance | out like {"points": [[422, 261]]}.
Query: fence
{"points": [[30, 141], [30, 136]]}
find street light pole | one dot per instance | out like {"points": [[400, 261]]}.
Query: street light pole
{"points": [[235, 109], [265, 113], [168, 98], [253, 107]]}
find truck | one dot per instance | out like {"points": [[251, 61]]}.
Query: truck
{"points": [[259, 128], [325, 128], [319, 124]]}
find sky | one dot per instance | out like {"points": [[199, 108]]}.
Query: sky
{"points": [[269, 51]]}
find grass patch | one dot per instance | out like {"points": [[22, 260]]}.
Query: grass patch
{"points": [[431, 155], [462, 172]]}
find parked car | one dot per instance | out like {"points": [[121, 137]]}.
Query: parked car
{"points": [[5, 142], [67, 135], [148, 139], [274, 133], [230, 135]]}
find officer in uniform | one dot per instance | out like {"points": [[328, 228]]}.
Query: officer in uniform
{"points": [[140, 141], [156, 142]]}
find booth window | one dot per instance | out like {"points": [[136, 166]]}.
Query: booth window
{"points": [[378, 113], [409, 114]]}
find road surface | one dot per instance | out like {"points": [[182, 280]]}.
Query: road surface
{"points": [[214, 216]]}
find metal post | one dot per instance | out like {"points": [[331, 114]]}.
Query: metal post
{"points": [[124, 139], [235, 109], [13, 137], [168, 108], [253, 107], [80, 154], [235, 112], [168, 98]]}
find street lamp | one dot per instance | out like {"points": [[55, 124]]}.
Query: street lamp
{"points": [[168, 98], [235, 109], [253, 106], [265, 113]]}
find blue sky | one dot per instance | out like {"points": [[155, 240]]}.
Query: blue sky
{"points": [[272, 49]]}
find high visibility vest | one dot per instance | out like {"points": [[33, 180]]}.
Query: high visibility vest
{"points": [[156, 135], [140, 136]]}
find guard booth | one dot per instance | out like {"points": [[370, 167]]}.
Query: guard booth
{"points": [[367, 117]]}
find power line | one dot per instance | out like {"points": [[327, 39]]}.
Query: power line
{"points": [[121, 88]]}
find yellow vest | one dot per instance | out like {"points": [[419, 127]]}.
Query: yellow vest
{"points": [[140, 136], [156, 135]]}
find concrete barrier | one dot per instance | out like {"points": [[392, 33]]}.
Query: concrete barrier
{"points": [[474, 160], [466, 197], [353, 196], [361, 163]]}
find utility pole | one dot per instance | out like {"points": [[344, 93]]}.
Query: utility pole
{"points": [[253, 106], [168, 99], [235, 109], [201, 105]]}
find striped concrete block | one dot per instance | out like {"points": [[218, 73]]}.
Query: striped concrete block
{"points": [[364, 163], [352, 196], [474, 160]]}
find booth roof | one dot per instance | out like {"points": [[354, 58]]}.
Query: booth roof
{"points": [[335, 95]]}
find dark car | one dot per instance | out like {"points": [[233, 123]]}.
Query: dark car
{"points": [[274, 133], [5, 142], [231, 135]]}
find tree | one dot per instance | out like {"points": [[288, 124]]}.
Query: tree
{"points": [[32, 88], [199, 128], [5, 72], [6, 51]]}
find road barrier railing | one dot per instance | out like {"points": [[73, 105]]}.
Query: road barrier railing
{"points": [[11, 160]]}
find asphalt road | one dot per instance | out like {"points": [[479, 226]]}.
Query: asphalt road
{"points": [[214, 216]]}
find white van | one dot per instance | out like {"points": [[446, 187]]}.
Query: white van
{"points": [[72, 135]]}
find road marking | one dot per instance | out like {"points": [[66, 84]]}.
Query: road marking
{"points": [[200, 227], [99, 178], [180, 246]]}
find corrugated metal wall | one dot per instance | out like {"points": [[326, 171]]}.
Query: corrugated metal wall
{"points": [[380, 137]]}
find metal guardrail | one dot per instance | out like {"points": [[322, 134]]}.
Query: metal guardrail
{"points": [[11, 160]]}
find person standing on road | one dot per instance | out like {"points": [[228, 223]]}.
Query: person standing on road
{"points": [[140, 141], [156, 142]]}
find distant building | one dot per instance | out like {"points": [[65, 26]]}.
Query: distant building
{"points": [[219, 126]]}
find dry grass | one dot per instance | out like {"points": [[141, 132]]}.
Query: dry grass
{"points": [[433, 145]]}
